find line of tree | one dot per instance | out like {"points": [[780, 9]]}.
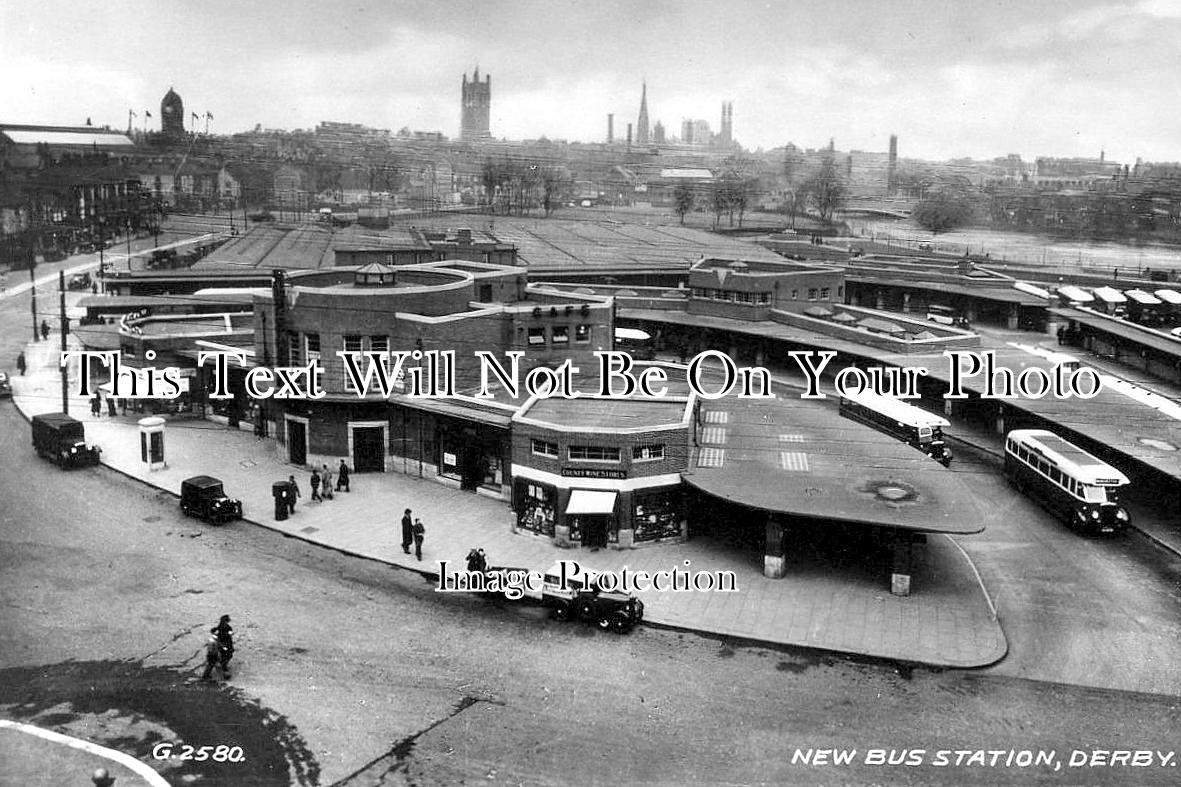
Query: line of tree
{"points": [[514, 186]]}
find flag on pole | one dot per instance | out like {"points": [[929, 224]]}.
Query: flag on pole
{"points": [[209, 115], [196, 116], [147, 114], [132, 113]]}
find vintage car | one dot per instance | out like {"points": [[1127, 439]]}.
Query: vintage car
{"points": [[5, 385], [579, 597], [62, 440], [202, 496], [80, 281]]}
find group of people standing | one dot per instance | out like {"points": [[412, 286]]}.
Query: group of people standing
{"points": [[322, 481], [412, 532], [322, 486]]}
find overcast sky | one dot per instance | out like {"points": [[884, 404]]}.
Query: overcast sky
{"points": [[980, 78]]}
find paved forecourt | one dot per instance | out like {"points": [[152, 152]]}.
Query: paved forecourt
{"points": [[947, 622]]}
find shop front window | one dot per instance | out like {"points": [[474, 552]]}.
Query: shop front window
{"points": [[536, 511], [657, 515], [449, 464]]}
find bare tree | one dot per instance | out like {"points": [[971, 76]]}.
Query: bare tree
{"points": [[825, 191], [683, 199]]}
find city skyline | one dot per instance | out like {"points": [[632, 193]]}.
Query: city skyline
{"points": [[1030, 78]]}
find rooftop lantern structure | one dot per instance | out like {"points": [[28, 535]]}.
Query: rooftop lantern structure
{"points": [[374, 275]]}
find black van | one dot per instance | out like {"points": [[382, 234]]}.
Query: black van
{"points": [[202, 496], [62, 440]]}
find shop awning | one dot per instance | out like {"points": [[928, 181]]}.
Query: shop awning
{"points": [[1169, 296], [586, 501]]}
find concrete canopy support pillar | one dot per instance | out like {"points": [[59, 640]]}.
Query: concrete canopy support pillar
{"points": [[1012, 320], [1000, 419], [774, 563], [901, 562]]}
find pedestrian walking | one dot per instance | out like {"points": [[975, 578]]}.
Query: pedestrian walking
{"points": [[326, 480], [316, 486], [407, 531], [212, 655], [44, 330], [111, 406], [419, 533], [96, 406], [342, 477], [20, 364], [225, 643], [292, 494]]}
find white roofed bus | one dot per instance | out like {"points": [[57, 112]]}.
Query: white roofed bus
{"points": [[1076, 486], [910, 424]]}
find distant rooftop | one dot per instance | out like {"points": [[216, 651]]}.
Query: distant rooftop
{"points": [[78, 136]]}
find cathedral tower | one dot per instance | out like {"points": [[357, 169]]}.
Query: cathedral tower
{"points": [[477, 107]]}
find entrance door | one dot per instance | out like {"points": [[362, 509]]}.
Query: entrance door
{"points": [[368, 450], [472, 470], [297, 442], [594, 530]]}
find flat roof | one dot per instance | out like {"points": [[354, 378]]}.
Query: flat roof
{"points": [[996, 292], [797, 457], [1123, 329], [605, 414], [97, 137]]}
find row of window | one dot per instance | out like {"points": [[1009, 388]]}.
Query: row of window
{"points": [[559, 334], [1091, 494], [731, 296], [598, 453], [307, 345]]}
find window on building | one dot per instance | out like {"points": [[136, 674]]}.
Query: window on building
{"points": [[560, 334], [294, 357], [825, 292], [764, 297], [545, 448], [379, 344], [811, 293], [536, 336], [311, 343], [795, 295], [840, 292], [352, 343], [582, 333], [647, 453], [594, 453]]}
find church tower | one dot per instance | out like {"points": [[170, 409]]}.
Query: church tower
{"points": [[642, 137], [476, 107], [172, 116]]}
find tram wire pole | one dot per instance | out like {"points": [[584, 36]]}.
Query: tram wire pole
{"points": [[61, 285], [33, 294]]}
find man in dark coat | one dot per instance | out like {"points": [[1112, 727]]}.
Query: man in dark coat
{"points": [[342, 477], [419, 533], [225, 642], [407, 531]]}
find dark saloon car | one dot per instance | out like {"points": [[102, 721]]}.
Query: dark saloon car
{"points": [[202, 496]]}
